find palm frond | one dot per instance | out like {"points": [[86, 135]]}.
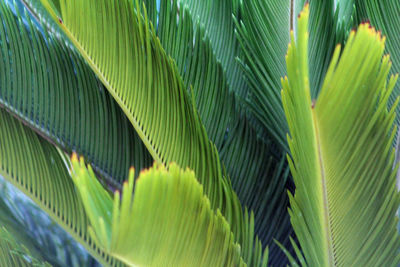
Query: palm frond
{"points": [[263, 189], [33, 228], [138, 73], [242, 154], [322, 41], [385, 16], [344, 207], [129, 227], [216, 18], [52, 90], [345, 17], [36, 168], [264, 32], [13, 253], [202, 75]]}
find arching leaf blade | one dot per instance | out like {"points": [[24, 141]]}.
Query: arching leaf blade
{"points": [[36, 168], [344, 208], [191, 233], [385, 16], [146, 84], [49, 87], [217, 19], [241, 151]]}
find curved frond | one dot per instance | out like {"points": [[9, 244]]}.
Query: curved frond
{"points": [[259, 178], [191, 233], [322, 41], [33, 228], [13, 253], [39, 171], [344, 208], [216, 18], [345, 18], [242, 153], [202, 75], [385, 16], [264, 31], [52, 90], [146, 83]]}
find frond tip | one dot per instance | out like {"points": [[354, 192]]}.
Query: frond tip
{"points": [[168, 220], [344, 208]]}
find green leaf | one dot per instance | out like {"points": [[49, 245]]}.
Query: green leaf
{"points": [[263, 33], [322, 41], [263, 189], [13, 253], [30, 226], [345, 18], [216, 18], [344, 208], [385, 16], [52, 90], [38, 169], [241, 152], [191, 233], [202, 74], [146, 83]]}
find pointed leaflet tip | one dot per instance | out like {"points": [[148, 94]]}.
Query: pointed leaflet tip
{"points": [[74, 157], [305, 10]]}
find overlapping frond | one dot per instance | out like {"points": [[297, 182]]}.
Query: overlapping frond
{"points": [[344, 208], [345, 18], [52, 90], [146, 83], [264, 31], [33, 228], [36, 168], [167, 221], [259, 178], [13, 253], [217, 19], [241, 152], [264, 35], [322, 41], [385, 16], [202, 74]]}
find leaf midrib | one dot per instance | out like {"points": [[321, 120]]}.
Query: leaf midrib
{"points": [[113, 92], [326, 229], [83, 239]]}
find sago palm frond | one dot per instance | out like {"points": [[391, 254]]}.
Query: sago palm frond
{"points": [[13, 253], [216, 19], [38, 169], [50, 88], [343, 211], [36, 232], [168, 221], [136, 70], [385, 16], [241, 152], [264, 31]]}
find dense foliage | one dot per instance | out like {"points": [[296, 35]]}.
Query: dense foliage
{"points": [[201, 133]]}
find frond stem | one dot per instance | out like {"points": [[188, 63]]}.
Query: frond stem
{"points": [[326, 218]]}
